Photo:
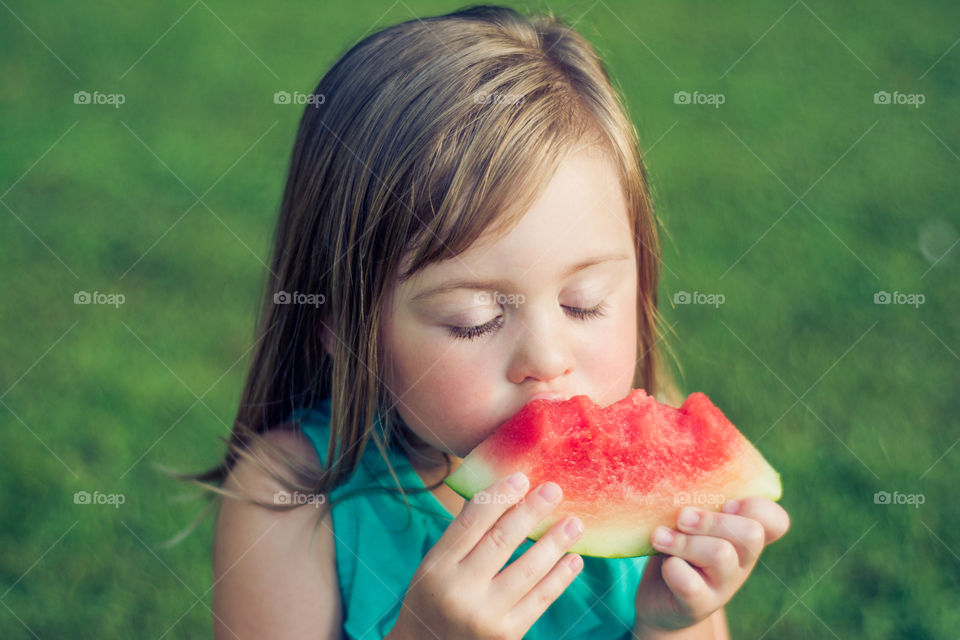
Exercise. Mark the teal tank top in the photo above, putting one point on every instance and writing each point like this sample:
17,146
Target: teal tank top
380,542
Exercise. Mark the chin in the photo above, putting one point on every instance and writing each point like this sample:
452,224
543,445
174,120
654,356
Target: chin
462,450
457,449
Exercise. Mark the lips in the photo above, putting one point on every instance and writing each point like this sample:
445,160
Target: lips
549,395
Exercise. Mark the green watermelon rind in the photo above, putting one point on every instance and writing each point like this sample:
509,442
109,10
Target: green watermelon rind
642,550
468,480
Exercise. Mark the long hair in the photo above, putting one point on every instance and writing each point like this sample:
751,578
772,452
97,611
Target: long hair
428,134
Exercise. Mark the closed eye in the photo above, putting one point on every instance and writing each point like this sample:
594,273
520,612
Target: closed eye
472,333
585,314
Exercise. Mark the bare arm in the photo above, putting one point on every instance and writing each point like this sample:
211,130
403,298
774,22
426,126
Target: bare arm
269,582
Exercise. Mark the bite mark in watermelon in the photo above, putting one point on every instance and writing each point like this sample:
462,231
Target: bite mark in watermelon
624,469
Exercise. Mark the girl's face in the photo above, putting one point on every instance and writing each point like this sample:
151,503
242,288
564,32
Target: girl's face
549,307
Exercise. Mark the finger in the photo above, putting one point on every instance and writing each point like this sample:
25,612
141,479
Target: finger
535,603
771,515
687,585
498,544
477,516
717,557
746,534
520,576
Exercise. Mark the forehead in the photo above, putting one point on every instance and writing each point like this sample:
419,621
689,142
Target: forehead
581,214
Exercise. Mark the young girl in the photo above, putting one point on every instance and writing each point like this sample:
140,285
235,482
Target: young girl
466,226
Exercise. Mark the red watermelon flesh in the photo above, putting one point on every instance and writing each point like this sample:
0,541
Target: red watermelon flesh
624,469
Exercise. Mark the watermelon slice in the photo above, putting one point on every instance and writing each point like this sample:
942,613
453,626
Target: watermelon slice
624,469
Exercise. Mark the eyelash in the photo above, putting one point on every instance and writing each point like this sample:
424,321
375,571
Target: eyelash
472,333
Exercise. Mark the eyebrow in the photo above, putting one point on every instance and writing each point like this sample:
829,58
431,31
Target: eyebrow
502,284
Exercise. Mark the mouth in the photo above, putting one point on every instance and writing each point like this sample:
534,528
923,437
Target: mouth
543,395
549,395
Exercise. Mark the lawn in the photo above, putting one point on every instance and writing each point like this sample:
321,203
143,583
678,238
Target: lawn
789,188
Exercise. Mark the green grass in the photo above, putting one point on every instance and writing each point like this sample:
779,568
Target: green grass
877,385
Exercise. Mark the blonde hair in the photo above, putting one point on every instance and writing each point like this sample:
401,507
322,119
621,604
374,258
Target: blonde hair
430,133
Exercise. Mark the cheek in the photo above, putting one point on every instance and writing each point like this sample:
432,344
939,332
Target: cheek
609,360
445,390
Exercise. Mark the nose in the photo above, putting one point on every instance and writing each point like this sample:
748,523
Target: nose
542,351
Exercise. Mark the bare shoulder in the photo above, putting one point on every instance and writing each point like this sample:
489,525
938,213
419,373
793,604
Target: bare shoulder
274,575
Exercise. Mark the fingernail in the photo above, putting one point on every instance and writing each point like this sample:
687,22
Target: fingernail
518,481
731,506
688,517
550,491
573,528
663,537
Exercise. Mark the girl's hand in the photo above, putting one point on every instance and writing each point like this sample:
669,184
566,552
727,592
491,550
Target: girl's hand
707,560
459,589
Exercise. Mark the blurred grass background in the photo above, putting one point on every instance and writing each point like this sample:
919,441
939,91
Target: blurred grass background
798,199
